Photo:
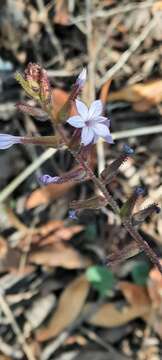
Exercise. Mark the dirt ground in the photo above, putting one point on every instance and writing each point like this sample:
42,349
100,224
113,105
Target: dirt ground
80,289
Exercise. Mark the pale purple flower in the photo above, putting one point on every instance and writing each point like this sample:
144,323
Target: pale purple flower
6,141
73,215
92,123
47,179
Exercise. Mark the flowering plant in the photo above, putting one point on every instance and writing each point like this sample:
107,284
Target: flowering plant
88,126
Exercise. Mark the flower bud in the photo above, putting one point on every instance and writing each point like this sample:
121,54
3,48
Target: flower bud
127,208
95,202
6,141
33,111
76,175
141,215
111,170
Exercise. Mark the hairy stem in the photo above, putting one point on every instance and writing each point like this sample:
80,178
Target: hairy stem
143,245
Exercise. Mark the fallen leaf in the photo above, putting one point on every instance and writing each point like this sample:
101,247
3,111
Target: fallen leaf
59,254
110,316
143,96
104,94
62,234
59,98
134,294
155,287
49,233
69,307
45,195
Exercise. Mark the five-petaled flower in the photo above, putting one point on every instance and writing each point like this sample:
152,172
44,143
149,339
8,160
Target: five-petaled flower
6,141
92,123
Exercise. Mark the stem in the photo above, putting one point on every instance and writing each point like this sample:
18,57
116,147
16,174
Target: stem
143,245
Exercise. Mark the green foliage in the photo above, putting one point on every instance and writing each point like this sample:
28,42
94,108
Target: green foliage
101,278
140,273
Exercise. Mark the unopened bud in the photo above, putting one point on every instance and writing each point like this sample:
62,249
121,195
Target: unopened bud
76,175
111,170
141,215
127,208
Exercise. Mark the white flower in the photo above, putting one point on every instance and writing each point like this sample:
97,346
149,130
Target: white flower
92,123
6,141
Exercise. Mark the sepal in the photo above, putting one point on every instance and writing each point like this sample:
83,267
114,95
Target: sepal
32,111
95,202
111,170
128,206
139,217
77,175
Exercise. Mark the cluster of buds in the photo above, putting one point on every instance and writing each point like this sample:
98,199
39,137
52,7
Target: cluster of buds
88,125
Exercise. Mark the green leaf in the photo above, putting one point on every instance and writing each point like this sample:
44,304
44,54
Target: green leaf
101,278
140,273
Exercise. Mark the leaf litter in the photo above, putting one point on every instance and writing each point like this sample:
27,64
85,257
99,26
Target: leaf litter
43,265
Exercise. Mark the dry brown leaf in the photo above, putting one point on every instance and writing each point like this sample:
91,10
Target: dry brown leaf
69,307
155,287
104,94
134,294
45,195
110,316
59,98
143,96
62,234
51,232
59,254
155,292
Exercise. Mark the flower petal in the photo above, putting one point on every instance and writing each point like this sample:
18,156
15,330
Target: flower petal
6,141
81,78
109,139
82,109
101,119
101,130
76,121
95,109
87,135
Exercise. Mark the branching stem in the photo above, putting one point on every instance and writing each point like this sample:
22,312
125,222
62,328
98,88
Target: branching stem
143,245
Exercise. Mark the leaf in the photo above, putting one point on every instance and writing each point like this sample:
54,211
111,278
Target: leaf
45,195
101,278
94,202
135,294
50,233
143,96
140,273
59,98
104,94
109,315
155,287
69,307
59,254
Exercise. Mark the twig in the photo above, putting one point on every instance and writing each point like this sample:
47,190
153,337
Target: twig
15,327
112,12
127,54
8,190
146,130
50,31
91,71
